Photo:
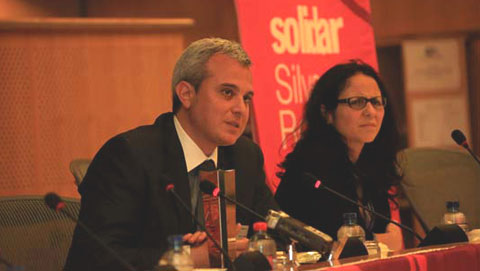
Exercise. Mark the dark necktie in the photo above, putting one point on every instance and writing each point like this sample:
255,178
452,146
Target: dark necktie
197,200
207,165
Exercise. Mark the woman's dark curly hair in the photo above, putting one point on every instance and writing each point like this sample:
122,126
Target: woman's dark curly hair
378,159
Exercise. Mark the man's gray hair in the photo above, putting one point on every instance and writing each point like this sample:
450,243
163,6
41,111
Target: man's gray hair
191,66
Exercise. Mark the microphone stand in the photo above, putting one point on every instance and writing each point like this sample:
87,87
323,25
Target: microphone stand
415,211
295,229
472,154
318,184
461,140
242,206
59,208
229,263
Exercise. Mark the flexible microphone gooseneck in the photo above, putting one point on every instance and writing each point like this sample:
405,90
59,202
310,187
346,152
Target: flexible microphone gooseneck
461,140
318,184
54,202
211,189
171,189
282,223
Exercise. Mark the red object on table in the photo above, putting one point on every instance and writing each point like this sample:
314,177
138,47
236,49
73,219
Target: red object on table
457,257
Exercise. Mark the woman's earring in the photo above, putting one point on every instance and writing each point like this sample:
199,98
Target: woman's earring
325,114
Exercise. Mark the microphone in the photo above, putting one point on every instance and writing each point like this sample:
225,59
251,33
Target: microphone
461,140
170,188
318,184
211,189
281,222
54,202
299,231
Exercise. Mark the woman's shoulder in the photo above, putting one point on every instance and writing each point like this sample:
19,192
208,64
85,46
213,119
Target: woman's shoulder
308,154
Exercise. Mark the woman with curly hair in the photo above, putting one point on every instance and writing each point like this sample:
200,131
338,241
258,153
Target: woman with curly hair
350,142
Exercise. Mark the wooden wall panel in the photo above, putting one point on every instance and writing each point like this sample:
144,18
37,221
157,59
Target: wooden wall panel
390,66
39,8
394,20
473,65
213,18
25,64
65,90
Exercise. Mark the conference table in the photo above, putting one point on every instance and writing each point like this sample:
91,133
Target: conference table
457,257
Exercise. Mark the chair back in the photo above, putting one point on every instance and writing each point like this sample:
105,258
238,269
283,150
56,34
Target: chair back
434,176
34,236
79,167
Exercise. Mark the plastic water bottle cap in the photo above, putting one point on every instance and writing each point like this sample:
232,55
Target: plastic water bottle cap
453,205
260,226
350,218
175,240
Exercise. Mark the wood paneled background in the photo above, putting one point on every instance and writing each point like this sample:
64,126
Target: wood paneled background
68,86
64,92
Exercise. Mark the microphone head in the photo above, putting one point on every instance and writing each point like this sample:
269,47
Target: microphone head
317,181
169,187
209,188
459,138
54,202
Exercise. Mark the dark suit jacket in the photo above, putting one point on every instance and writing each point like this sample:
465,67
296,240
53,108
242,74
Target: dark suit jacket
125,203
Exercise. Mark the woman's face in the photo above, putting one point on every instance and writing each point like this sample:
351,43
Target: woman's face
358,126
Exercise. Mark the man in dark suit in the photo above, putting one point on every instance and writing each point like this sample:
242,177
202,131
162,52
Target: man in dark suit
123,193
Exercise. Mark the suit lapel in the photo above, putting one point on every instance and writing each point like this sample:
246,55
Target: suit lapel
175,170
225,158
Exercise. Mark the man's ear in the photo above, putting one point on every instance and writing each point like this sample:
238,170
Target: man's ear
327,115
186,93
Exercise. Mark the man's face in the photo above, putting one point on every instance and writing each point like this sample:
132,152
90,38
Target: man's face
218,112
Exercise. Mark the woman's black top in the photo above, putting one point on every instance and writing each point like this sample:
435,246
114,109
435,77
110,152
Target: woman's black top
319,208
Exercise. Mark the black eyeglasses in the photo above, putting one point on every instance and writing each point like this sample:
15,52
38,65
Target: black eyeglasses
359,102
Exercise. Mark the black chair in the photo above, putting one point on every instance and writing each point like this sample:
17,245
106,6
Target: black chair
434,176
34,236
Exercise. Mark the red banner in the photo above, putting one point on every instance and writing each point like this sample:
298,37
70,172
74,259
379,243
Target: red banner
291,44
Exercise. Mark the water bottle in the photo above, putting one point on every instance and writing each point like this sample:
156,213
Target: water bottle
262,243
176,256
350,228
286,261
454,216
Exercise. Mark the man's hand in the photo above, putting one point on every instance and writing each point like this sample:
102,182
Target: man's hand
195,239
199,248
